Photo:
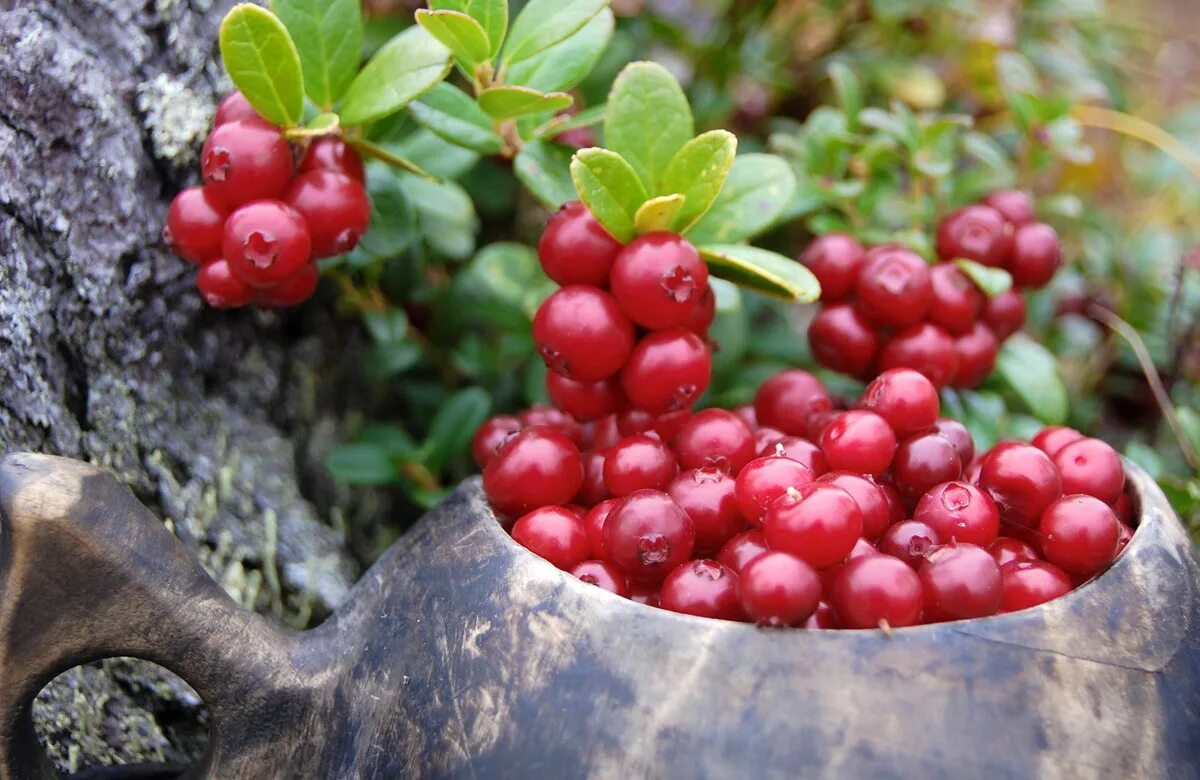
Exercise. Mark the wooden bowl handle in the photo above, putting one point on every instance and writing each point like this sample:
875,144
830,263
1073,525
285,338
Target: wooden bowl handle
87,572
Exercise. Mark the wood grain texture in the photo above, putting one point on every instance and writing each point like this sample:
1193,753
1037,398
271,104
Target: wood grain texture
460,654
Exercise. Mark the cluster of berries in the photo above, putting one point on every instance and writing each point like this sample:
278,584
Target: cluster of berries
792,512
885,307
626,332
259,222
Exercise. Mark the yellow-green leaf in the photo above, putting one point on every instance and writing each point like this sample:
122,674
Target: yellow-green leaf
698,170
506,102
543,23
453,115
263,62
648,120
459,33
567,62
544,167
756,192
762,270
492,16
405,68
658,213
610,188
328,36
1031,371
992,281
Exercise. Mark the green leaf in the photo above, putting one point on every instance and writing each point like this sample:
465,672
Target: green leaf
648,120
756,193
361,464
544,167
407,67
610,188
393,222
992,281
593,115
565,64
543,23
454,116
698,171
459,33
849,91
511,274
762,270
453,426
263,62
445,215
328,36
492,16
1031,371
505,102
658,213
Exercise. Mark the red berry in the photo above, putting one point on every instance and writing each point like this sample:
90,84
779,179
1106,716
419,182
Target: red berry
195,224
859,441
582,334
335,207
1080,534
1006,550
1036,255
960,581
958,435
708,497
842,339
1091,467
644,593
584,400
593,490
976,350
911,541
549,417
765,479
666,426
234,108
604,432
957,302
894,287
905,398
835,259
658,279
330,153
604,576
576,249
922,462
704,588
778,589
830,574
874,590
798,449
742,549
647,535
220,288
537,467
703,313
788,399
975,232
959,512
746,414
766,438
818,523
245,161
667,371
266,242
1053,438
1124,537
924,348
1123,508
1029,583
899,511
1004,314
293,291
555,533
870,498
1015,206
1022,481
639,462
593,523
823,618
714,437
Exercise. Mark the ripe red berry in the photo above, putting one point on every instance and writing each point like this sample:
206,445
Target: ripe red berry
1053,438
894,287
818,523
245,161
859,441
798,449
1036,255
644,593
708,497
1004,314
1091,467
830,574
717,438
195,225
1007,549
957,302
266,242
704,588
554,533
293,291
555,419
603,433
666,426
835,259
639,462
842,339
220,288
584,400
593,523
604,576
1022,481
959,512
925,348
330,153
911,541
1029,583
1124,537
234,107
923,461
778,589
593,490
647,535
959,436
704,313
335,207
1015,206
765,479
975,232
960,581
576,249
658,279
788,399
537,467
667,371
582,334
1123,508
823,618
905,398
874,590
870,498
746,414
742,549
1079,535
976,349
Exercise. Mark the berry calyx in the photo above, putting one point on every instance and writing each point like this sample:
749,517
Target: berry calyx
266,242
604,576
658,279
648,535
244,161
959,512
911,541
576,249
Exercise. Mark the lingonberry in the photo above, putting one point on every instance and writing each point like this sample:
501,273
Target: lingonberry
1036,255
958,435
584,400
1007,549
667,371
911,541
1124,537
582,334
220,287
877,590
742,549
746,414
704,313
905,398
778,589
593,523
644,593
266,242
1079,534
788,399
1053,438
1123,508
639,462
292,291
859,441
648,535
604,432
925,348
1091,467
233,108
765,439
708,497
593,490
555,533
578,510
798,449
976,350
604,576
842,339
960,581
195,225
330,153
894,287
818,422
822,618
976,232
1022,480
765,479
1004,314
923,461
1029,583
899,510
1015,206
835,259
658,279
704,588
555,419
244,161
959,512
537,467
870,498
576,249
818,523
335,207
957,302
665,426
717,438
830,574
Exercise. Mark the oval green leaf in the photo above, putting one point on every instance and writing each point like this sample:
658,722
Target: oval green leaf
610,188
658,213
263,62
698,171
1031,371
328,36
648,120
593,115
453,115
544,167
507,102
453,426
406,67
543,23
992,281
492,16
459,33
767,272
756,193
565,64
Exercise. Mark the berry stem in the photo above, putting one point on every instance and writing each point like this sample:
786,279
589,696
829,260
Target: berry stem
365,147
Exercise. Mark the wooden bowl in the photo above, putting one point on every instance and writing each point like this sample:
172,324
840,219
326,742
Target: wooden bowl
461,654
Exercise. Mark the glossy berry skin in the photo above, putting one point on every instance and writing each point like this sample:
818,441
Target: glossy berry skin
1004,314
1091,467
330,153
708,497
822,618
639,462
870,498
905,398
665,426
246,161
603,433
958,435
911,541
778,589
960,581
584,400
537,467
959,512
644,593
593,523
874,590
667,371
818,523
221,288
658,279
604,576
234,107
1053,438
976,350
266,242
714,438
703,313
859,441
894,288
1007,550
555,419
704,588
836,260
798,449
293,291
648,535
575,249
976,232
335,207
788,399
554,533
581,333
195,225
1022,481
923,461
1080,535
1036,255
1015,206
742,549
1124,537
593,490
957,302
842,339
1029,583
925,348
1123,508
763,480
